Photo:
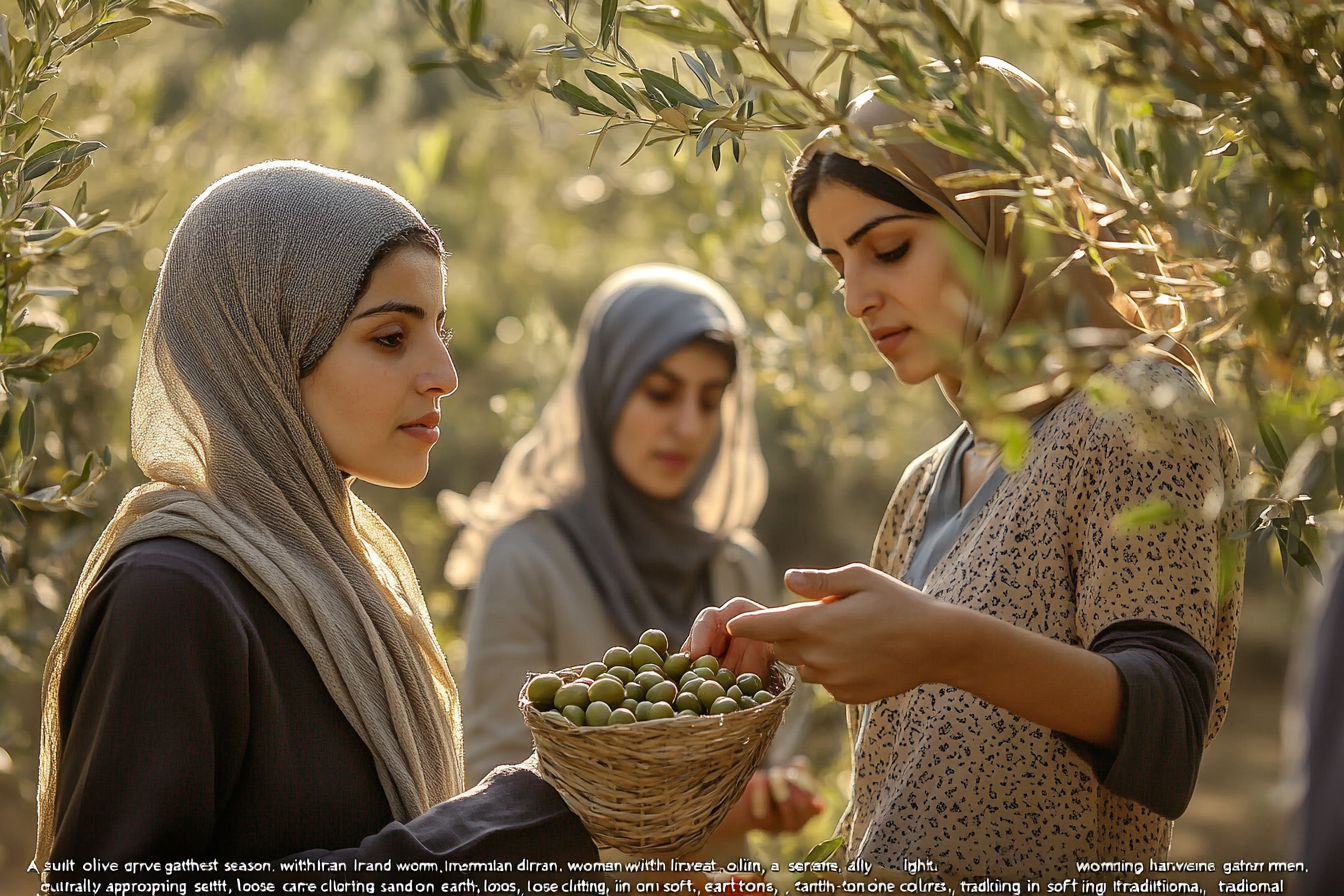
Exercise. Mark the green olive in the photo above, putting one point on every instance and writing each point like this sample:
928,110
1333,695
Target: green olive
624,673
574,714
762,696
746,702
597,715
749,682
616,656
686,701
642,711
647,680
664,691
621,716
542,689
704,672
708,661
655,638
662,710
709,692
573,694
723,705
593,670
677,665
643,653
692,686
682,713
726,678
634,690
629,704
649,667
735,692
606,690
688,677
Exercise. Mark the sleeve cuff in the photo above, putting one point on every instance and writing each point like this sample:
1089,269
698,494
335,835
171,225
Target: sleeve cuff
1166,691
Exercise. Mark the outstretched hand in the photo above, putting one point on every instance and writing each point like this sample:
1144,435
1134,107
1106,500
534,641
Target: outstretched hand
865,636
861,634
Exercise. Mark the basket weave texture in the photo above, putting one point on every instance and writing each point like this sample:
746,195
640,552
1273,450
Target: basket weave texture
656,788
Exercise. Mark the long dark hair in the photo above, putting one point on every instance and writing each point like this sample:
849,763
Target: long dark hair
820,167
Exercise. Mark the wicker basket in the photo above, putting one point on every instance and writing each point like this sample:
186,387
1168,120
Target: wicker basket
656,788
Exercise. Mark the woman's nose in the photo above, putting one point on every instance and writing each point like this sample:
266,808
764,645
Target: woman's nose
688,422
441,377
863,294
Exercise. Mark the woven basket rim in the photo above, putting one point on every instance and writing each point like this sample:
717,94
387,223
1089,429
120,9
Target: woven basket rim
660,815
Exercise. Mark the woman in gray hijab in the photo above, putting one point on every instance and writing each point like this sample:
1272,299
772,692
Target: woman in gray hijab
247,669
629,506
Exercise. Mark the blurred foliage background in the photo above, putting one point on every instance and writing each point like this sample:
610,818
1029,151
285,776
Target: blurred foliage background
535,219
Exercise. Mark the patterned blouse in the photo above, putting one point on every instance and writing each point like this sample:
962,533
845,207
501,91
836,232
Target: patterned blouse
942,776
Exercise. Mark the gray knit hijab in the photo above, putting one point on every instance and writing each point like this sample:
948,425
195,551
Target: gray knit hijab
648,558
257,283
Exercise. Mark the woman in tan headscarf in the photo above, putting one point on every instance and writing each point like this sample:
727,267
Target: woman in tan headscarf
247,669
1032,680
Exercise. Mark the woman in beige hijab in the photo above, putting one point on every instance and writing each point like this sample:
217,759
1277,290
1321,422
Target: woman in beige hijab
1032,680
247,669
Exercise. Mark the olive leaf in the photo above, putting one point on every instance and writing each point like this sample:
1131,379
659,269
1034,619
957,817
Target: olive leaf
578,98
1157,511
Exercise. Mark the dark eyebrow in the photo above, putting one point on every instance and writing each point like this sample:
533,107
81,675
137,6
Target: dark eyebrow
881,219
396,307
863,231
663,371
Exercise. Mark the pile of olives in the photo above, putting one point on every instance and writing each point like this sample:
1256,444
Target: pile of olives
646,683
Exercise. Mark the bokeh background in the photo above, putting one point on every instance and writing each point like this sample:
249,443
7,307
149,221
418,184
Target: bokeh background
535,220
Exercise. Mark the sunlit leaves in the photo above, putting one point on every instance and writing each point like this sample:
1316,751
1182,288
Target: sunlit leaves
611,88
576,97
1203,179
38,233
1153,513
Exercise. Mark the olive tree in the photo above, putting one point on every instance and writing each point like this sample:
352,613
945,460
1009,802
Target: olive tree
46,229
1191,149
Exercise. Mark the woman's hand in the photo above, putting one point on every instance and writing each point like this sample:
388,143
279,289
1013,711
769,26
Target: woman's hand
709,635
863,635
777,800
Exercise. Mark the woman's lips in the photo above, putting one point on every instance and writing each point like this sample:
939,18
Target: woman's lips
671,459
427,434
888,342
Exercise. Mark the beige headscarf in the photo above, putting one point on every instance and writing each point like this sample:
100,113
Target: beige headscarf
1041,290
257,282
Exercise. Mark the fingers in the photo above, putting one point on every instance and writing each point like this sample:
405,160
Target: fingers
706,629
708,632
749,656
788,791
758,798
775,624
791,652
817,584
